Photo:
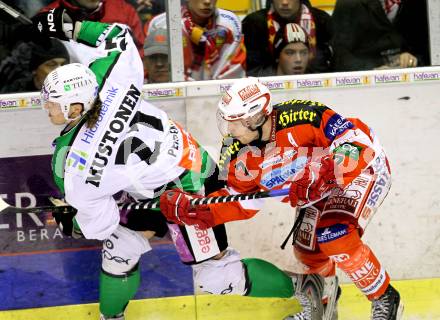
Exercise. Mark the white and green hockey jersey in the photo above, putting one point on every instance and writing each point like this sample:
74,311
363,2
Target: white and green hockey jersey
133,146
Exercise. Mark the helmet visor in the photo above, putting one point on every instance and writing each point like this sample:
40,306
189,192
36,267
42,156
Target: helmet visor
222,124
239,127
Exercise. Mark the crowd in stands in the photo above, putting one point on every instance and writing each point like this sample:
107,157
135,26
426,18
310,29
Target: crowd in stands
287,37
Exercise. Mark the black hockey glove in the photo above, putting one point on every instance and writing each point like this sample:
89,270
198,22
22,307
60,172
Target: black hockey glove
54,23
65,218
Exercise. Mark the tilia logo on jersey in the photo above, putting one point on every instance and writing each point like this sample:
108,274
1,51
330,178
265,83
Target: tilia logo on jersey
110,137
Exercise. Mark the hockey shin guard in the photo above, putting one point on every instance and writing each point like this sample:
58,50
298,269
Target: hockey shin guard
116,291
359,263
266,280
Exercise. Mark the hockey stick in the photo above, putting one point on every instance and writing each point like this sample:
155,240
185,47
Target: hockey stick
14,13
152,204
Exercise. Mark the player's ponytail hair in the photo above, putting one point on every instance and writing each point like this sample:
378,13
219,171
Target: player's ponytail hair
93,113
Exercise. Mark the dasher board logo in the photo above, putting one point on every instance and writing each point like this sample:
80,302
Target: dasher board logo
278,85
313,83
426,76
31,232
391,78
18,103
351,81
225,87
163,93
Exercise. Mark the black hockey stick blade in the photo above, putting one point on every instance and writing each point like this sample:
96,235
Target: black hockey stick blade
6,208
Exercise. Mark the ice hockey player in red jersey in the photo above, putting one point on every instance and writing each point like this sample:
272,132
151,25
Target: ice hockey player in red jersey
337,174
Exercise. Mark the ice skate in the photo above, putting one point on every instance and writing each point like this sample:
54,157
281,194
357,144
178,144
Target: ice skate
119,316
388,306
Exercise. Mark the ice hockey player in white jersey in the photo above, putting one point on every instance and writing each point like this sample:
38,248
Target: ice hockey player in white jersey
115,141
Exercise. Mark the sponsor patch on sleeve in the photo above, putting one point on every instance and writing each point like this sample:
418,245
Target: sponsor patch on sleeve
336,125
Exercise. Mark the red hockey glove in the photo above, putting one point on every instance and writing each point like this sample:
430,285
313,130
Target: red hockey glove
316,180
175,206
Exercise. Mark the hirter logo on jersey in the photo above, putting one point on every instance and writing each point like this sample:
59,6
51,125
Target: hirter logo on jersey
248,92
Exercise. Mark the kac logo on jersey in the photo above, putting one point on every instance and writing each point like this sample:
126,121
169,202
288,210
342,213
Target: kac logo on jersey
281,175
336,125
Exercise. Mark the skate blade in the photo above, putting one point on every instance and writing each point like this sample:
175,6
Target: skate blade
399,315
331,299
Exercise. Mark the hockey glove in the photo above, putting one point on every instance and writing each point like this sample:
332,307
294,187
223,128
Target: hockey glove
175,206
54,23
317,179
65,218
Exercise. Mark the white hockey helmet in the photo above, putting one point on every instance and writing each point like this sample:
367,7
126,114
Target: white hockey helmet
71,83
246,98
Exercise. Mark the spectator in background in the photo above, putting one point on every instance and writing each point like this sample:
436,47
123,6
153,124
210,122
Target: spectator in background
28,65
109,11
212,41
380,34
147,9
292,52
9,24
28,8
156,63
261,27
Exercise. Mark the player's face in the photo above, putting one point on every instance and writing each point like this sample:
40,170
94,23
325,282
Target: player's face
245,130
294,59
239,130
286,9
201,10
55,114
